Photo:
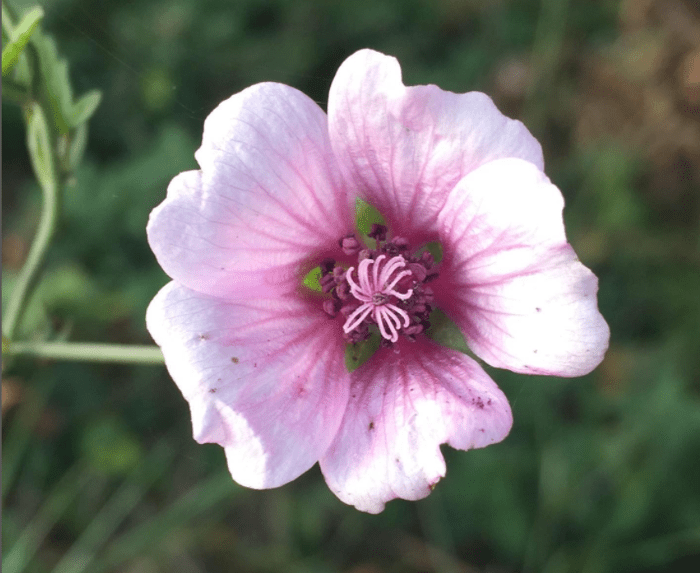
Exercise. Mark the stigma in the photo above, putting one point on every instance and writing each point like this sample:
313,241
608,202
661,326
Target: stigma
376,290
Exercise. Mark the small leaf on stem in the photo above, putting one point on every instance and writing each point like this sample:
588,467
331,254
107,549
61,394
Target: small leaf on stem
19,38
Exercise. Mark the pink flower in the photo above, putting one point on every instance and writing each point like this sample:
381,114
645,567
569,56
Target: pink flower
260,357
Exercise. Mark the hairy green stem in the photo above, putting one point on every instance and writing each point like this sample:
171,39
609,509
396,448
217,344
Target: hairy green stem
89,352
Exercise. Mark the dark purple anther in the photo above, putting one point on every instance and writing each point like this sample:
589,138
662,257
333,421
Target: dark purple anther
427,259
358,335
413,329
349,308
327,282
338,274
331,307
364,254
418,270
378,232
326,266
343,291
418,308
350,245
401,244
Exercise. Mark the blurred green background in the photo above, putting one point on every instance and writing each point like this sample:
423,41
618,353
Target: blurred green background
599,474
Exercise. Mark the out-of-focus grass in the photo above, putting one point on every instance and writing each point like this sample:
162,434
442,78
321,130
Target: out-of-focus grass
599,474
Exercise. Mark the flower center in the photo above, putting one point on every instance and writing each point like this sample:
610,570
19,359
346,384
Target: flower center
386,289
380,298
375,291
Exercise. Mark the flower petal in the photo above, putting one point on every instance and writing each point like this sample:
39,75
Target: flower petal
268,196
402,407
509,278
405,148
263,378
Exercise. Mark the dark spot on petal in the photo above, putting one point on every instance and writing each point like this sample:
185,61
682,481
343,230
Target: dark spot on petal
212,390
203,337
234,360
482,430
371,426
255,365
479,403
535,350
538,309
488,402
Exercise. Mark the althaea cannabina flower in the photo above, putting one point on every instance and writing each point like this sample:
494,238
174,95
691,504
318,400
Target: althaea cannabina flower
260,357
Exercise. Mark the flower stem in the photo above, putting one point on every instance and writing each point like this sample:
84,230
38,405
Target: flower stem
28,275
89,352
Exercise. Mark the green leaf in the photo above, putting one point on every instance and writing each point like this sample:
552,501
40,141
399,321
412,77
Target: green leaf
446,333
365,216
357,354
54,72
39,144
20,37
312,278
84,108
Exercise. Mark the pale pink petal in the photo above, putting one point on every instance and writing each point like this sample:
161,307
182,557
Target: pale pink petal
402,407
511,281
267,200
265,378
404,148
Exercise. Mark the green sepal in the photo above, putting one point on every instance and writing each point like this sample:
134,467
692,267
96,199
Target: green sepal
357,354
445,332
312,279
365,216
435,249
19,38
84,108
